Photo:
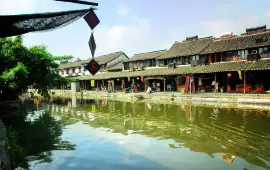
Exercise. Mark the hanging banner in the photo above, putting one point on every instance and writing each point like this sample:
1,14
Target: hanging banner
92,45
142,78
240,75
92,83
93,108
91,19
92,67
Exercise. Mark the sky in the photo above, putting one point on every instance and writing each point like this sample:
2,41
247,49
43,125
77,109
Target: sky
139,26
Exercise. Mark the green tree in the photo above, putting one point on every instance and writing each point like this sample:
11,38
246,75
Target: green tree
21,67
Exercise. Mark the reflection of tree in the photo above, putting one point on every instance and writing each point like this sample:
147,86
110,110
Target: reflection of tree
35,138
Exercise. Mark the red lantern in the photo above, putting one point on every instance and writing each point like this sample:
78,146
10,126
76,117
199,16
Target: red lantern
229,75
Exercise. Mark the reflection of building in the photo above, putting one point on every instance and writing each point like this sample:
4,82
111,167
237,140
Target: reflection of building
227,157
74,101
209,134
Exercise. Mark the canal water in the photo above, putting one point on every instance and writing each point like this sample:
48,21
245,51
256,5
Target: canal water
73,134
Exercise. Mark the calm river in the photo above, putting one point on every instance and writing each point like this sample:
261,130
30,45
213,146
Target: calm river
72,134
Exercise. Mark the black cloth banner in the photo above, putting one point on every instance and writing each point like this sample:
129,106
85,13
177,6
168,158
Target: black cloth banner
91,19
92,45
93,67
12,25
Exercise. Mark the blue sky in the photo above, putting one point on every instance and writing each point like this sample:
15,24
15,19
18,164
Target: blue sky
138,26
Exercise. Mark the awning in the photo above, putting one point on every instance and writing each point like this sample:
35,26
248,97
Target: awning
158,73
154,78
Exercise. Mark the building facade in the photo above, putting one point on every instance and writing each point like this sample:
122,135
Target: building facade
229,63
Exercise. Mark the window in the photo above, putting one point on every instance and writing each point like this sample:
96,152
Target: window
228,56
242,54
165,62
160,62
180,60
261,50
264,50
154,62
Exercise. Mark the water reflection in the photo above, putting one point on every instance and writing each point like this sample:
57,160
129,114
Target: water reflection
242,134
34,136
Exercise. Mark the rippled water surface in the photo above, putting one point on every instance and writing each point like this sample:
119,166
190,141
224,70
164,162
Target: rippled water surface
102,135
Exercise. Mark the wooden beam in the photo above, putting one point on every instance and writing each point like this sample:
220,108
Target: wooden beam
80,2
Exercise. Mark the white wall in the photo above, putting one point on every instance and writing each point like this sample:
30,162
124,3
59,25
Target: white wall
80,69
77,70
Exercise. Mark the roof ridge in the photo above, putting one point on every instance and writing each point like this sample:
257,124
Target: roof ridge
111,53
151,52
241,36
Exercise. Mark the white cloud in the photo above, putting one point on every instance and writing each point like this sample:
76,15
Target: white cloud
16,6
129,37
11,7
137,35
122,10
236,25
225,7
268,15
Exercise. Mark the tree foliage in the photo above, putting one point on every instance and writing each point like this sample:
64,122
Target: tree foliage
21,67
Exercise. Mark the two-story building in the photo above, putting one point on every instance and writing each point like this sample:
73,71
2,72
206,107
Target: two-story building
109,63
232,63
229,61
143,61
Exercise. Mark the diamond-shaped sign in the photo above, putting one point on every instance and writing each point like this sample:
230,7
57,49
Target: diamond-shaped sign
91,19
92,45
92,67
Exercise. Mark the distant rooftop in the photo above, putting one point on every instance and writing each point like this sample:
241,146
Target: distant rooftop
147,55
103,59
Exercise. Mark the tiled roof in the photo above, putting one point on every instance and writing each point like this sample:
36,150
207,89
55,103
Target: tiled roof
146,56
106,58
101,60
211,68
71,64
238,43
187,48
118,66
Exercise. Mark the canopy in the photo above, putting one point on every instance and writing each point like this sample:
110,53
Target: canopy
12,25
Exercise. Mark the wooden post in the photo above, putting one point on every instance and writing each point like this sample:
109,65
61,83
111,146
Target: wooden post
215,83
145,85
164,84
221,57
244,83
215,57
190,84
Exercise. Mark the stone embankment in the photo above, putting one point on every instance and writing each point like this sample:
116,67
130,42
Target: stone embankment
173,97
